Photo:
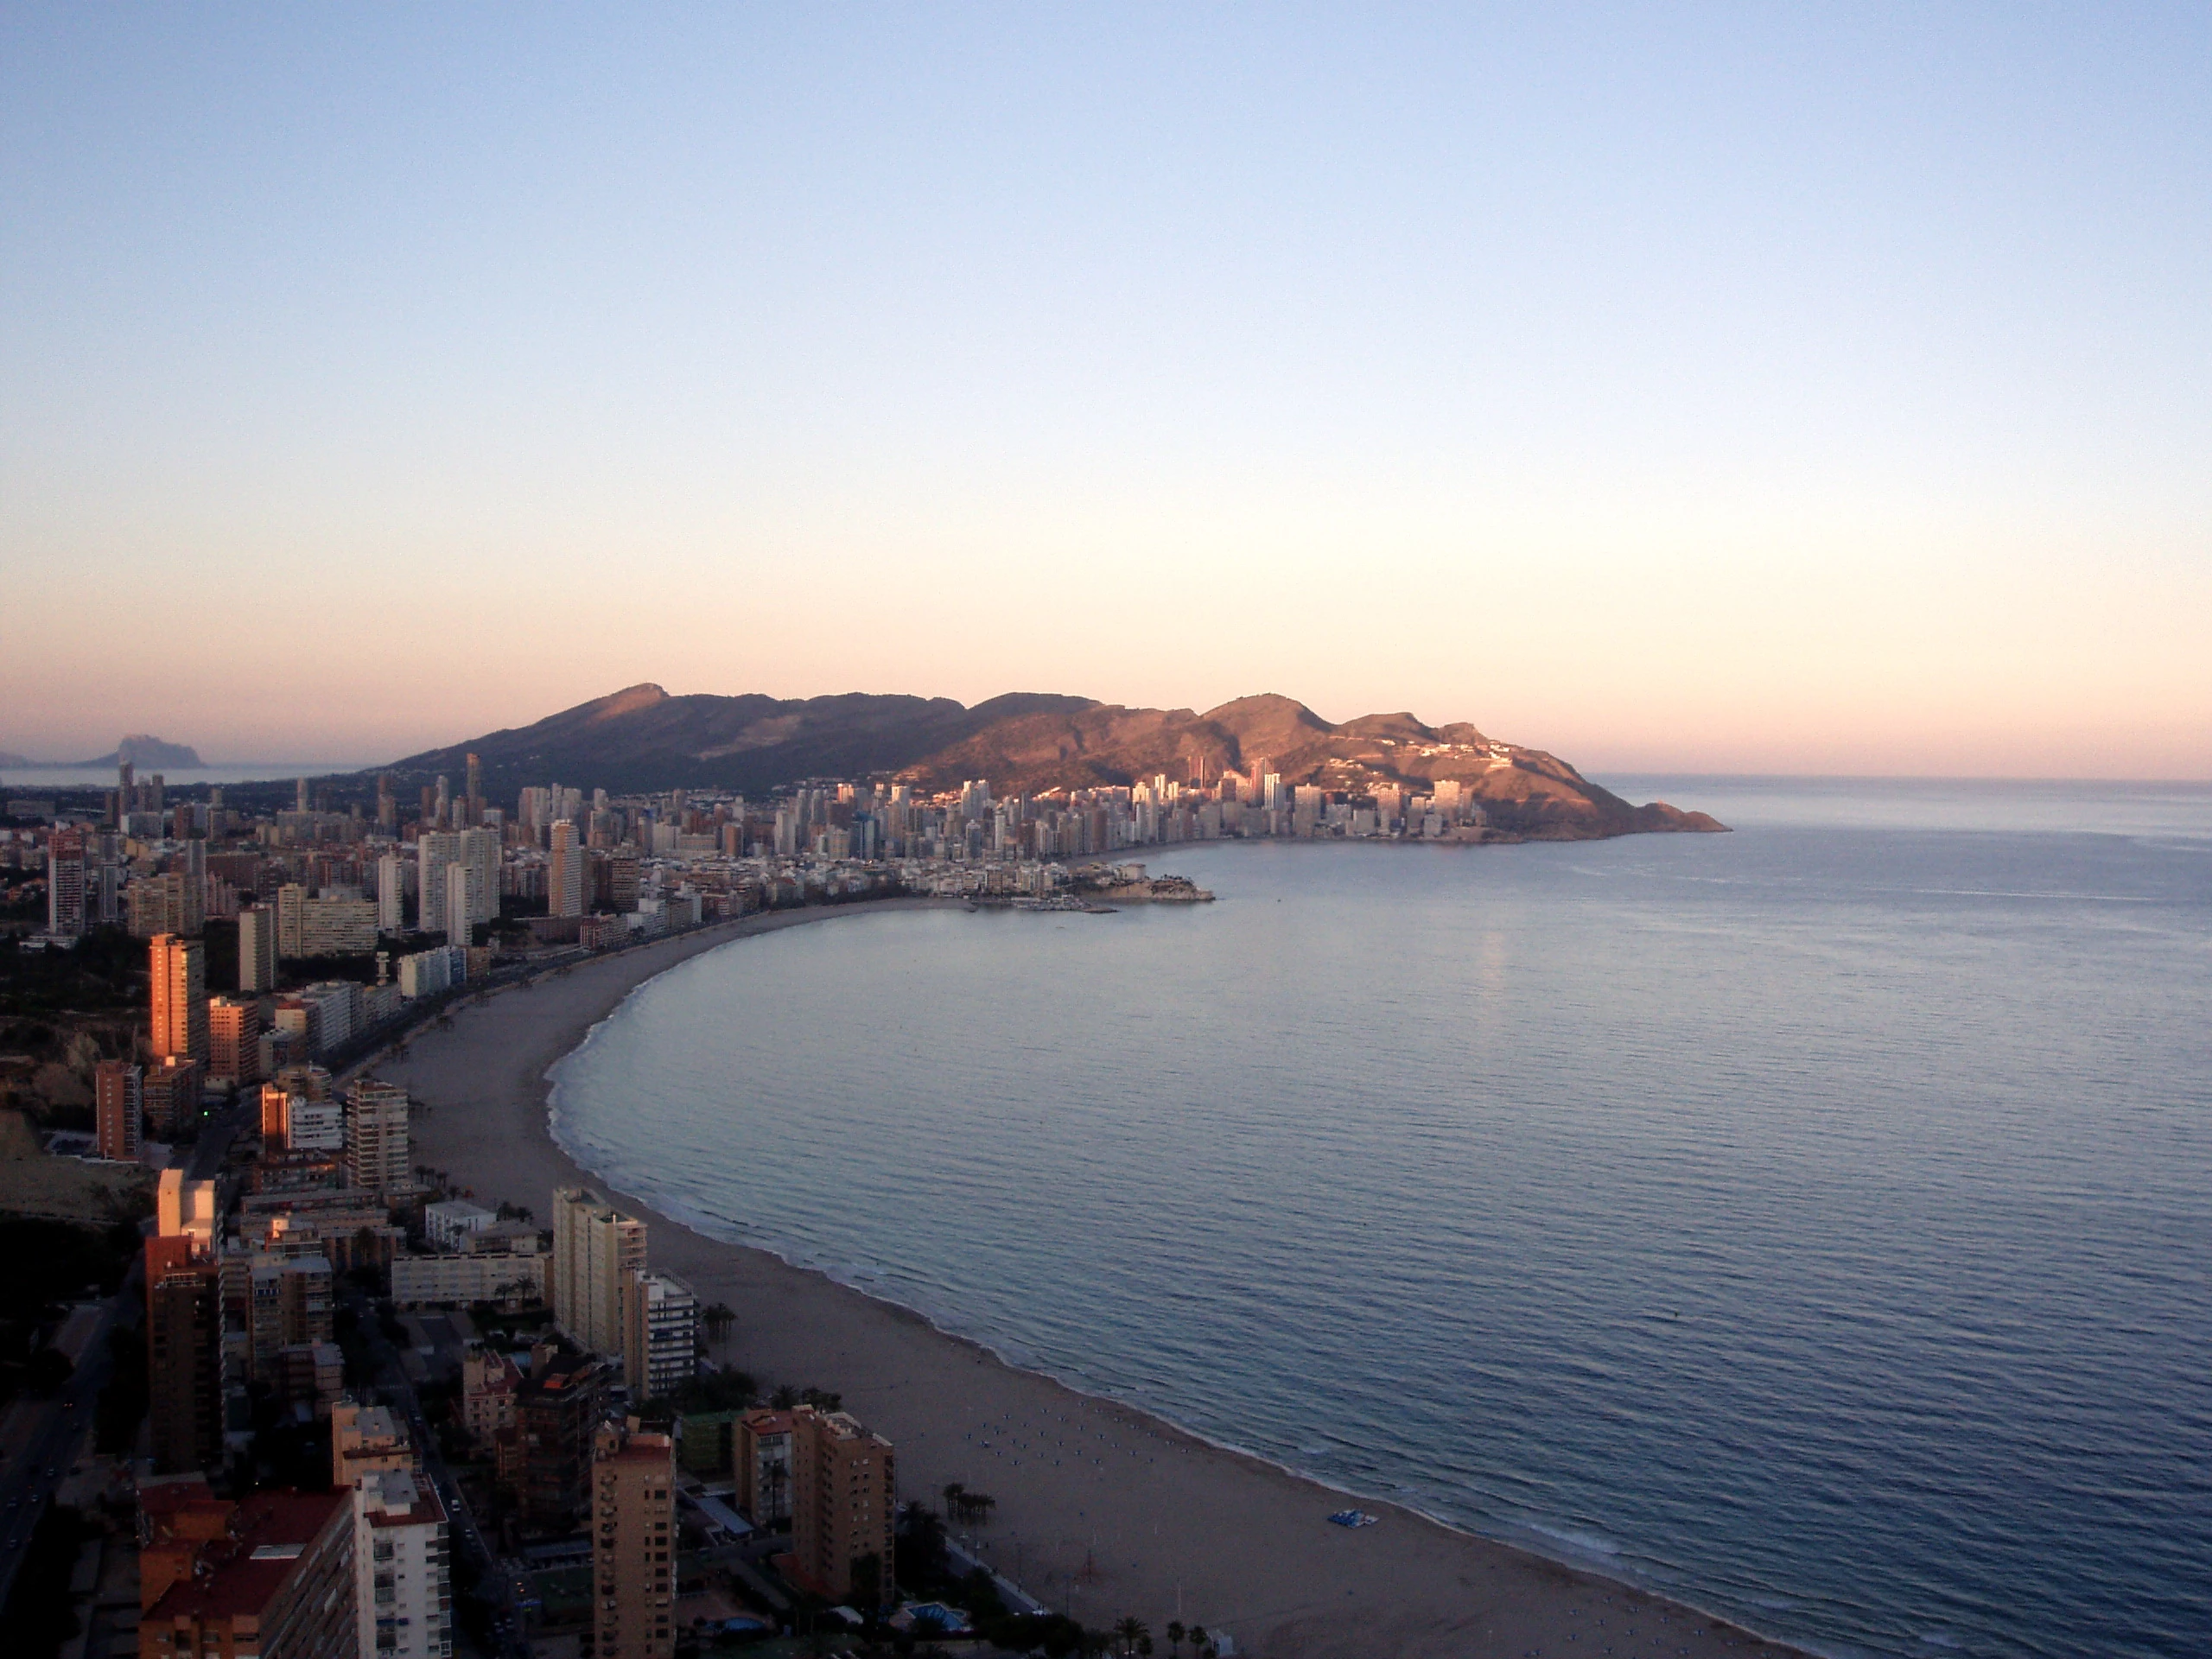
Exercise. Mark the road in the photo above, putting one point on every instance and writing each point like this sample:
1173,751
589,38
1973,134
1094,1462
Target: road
396,1391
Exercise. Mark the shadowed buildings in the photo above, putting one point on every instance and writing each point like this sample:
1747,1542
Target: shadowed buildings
633,1544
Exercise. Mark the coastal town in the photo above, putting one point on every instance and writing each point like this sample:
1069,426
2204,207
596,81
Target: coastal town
489,1430
324,1348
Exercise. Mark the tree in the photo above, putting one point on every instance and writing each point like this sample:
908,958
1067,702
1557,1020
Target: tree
867,1582
920,1544
1175,1636
719,1317
1130,1630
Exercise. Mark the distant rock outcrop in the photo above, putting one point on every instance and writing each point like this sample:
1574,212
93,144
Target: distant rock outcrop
643,739
140,750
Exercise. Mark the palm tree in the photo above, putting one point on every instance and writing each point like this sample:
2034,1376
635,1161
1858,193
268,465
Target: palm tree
1175,1636
1131,1629
719,1318
956,1501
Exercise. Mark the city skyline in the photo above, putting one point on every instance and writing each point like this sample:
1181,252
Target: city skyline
1811,391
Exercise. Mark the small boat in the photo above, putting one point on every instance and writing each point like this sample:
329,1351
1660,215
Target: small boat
1353,1518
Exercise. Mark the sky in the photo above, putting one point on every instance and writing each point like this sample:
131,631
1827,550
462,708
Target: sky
1761,388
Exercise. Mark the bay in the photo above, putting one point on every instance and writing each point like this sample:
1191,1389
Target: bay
1813,1221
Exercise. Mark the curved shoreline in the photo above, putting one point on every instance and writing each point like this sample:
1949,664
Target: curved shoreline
1154,1519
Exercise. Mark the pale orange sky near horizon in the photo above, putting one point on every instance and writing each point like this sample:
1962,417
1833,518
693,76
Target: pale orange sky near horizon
1811,391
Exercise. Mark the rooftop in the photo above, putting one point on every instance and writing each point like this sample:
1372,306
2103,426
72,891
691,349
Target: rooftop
239,1574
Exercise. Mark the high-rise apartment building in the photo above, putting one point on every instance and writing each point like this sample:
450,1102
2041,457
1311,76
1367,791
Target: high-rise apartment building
435,852
461,890
291,920
564,872
376,1135
65,884
180,998
402,1579
276,1583
763,1457
184,1327
391,893
480,851
595,1251
118,1109
309,1082
545,1460
660,1345
289,1305
234,1041
256,949
489,1384
171,1096
633,1544
844,1483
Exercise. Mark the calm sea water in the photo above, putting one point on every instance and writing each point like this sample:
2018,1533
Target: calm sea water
35,780
1815,1222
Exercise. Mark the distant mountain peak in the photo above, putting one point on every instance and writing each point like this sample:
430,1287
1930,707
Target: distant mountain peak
627,701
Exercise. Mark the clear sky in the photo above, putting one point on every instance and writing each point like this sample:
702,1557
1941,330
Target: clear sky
1764,388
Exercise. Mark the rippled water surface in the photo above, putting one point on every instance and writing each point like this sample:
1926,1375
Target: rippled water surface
1814,1221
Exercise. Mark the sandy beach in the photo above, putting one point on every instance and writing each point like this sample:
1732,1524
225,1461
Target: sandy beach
1101,1510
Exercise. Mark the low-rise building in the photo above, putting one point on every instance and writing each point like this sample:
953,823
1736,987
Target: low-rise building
365,1439
448,1221
509,1278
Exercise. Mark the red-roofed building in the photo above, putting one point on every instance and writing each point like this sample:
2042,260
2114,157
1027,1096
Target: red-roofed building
276,1582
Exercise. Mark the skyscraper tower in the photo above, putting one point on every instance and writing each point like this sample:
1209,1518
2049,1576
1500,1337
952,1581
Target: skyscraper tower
180,1031
65,884
475,791
633,1498
118,1106
596,1251
564,883
258,948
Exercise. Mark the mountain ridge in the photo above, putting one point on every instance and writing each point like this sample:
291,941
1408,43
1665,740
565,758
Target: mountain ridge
643,738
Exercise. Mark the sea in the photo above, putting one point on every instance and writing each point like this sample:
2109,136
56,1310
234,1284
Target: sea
42,780
1813,1222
